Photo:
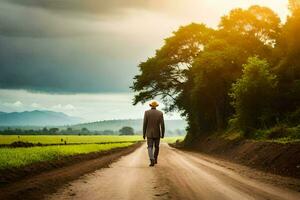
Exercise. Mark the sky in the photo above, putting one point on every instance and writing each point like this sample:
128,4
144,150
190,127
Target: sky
79,57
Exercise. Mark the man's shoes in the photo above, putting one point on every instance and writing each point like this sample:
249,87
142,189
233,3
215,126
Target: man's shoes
151,163
155,161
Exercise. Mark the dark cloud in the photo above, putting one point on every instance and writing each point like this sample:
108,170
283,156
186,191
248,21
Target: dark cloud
72,46
18,21
86,6
67,18
59,66
63,18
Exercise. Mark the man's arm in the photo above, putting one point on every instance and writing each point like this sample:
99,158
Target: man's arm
145,125
162,126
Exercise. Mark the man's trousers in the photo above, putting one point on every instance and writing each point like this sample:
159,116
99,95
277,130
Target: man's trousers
153,142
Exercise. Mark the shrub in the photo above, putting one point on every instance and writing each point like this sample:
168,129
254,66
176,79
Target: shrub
253,96
279,131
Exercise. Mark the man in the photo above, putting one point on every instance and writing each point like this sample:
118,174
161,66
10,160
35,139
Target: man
153,129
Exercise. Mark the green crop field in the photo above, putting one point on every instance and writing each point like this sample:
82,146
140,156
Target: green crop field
76,139
18,157
70,139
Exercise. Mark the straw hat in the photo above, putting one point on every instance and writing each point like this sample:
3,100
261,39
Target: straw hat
153,104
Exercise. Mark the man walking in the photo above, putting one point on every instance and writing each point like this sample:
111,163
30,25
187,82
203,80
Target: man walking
153,129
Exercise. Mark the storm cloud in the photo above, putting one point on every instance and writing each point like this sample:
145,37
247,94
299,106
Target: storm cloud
91,46
32,21
89,6
64,66
45,49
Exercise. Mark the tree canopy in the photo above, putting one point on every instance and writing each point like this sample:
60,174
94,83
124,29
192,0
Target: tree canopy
247,69
126,130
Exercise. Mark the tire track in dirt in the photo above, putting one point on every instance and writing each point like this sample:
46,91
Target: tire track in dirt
178,175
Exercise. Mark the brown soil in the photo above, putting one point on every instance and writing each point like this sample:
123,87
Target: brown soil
179,175
21,144
36,180
282,159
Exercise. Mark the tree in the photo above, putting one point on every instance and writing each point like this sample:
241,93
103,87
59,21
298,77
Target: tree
53,130
294,5
256,23
214,72
253,96
194,70
164,74
288,66
126,130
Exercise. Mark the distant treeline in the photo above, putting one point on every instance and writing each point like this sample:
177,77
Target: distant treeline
54,131
83,131
171,125
243,75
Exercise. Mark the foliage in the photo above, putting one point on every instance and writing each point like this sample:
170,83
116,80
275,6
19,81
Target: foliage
214,71
288,66
126,130
253,95
53,130
280,132
164,74
251,60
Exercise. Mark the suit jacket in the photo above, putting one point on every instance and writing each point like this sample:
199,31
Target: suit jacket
154,126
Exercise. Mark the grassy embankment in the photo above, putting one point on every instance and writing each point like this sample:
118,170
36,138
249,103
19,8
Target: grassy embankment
278,134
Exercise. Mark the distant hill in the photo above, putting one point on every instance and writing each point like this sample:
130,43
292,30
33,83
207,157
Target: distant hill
37,118
136,124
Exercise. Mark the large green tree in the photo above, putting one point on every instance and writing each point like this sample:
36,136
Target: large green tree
288,67
214,71
194,70
253,96
164,74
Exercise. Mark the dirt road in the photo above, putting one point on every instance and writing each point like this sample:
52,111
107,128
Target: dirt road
178,175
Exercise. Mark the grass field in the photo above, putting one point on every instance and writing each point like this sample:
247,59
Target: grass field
70,139
76,139
18,157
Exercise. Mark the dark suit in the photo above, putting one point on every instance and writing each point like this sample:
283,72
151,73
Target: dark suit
153,129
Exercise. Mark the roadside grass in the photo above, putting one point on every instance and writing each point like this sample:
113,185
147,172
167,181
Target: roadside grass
171,140
69,139
21,156
18,157
230,135
279,134
284,140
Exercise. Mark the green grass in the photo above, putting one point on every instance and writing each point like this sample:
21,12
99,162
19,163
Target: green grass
18,157
173,139
76,139
70,139
284,140
232,135
278,134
